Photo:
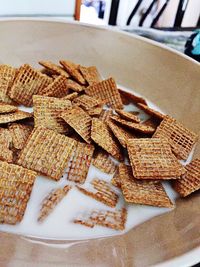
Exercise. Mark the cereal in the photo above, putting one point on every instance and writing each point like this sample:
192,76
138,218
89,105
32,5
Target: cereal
51,201
46,152
152,158
47,112
73,70
87,102
14,116
80,121
151,111
190,181
106,91
102,136
16,184
53,68
103,192
79,162
103,162
90,74
141,191
179,137
6,108
127,115
28,82
116,179
58,88
131,98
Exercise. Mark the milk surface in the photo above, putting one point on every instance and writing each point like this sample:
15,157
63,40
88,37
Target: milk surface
59,224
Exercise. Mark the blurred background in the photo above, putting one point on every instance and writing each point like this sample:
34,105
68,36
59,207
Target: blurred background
147,13
168,21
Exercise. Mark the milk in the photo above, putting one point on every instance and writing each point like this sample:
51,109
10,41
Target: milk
59,224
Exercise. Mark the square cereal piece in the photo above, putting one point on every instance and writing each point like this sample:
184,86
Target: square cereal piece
112,219
53,68
116,179
28,82
127,115
102,192
7,76
152,158
90,74
80,121
103,162
142,192
58,88
179,137
103,137
151,111
6,108
50,202
139,127
47,112
190,181
73,70
128,98
46,152
86,102
79,163
106,91
74,86
14,116
121,134
19,133
16,184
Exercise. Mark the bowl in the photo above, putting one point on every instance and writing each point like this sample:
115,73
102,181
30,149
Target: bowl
163,76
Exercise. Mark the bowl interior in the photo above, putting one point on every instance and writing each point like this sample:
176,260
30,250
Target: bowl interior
165,78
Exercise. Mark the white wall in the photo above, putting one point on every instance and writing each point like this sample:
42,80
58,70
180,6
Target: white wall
37,7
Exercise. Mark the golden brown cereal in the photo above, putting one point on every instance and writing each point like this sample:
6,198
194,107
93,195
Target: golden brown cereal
53,68
103,192
127,115
86,102
6,153
102,136
73,70
128,98
106,115
142,192
95,111
179,137
58,88
46,152
151,111
51,201
19,133
14,116
28,82
121,134
103,162
71,96
80,121
6,108
16,184
112,219
190,181
106,91
47,112
152,158
116,179
74,86
153,122
90,74
7,76
79,162
139,127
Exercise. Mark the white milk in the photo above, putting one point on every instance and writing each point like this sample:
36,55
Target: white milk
59,224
